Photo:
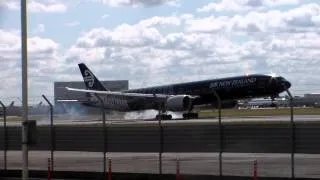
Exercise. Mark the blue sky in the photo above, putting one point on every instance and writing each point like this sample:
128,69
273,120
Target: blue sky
166,42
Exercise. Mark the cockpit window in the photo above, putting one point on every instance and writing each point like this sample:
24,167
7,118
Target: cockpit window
280,78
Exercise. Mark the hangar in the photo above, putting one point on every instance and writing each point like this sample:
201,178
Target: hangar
310,99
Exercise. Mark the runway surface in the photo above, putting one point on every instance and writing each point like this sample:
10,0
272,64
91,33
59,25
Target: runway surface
97,120
234,164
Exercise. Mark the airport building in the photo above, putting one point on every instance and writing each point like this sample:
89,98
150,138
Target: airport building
60,92
307,100
310,99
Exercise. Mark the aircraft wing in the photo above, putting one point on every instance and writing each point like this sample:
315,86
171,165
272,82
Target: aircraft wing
71,100
117,93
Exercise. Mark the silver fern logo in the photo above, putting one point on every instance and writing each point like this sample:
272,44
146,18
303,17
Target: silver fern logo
88,78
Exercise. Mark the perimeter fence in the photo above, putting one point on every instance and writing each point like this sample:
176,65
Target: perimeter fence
270,149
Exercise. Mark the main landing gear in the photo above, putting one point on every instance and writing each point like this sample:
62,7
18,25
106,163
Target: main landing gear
185,116
163,117
190,115
273,102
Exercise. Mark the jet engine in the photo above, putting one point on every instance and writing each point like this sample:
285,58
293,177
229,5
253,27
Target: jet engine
179,103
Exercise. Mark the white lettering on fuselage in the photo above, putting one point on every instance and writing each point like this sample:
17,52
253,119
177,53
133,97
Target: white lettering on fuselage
232,83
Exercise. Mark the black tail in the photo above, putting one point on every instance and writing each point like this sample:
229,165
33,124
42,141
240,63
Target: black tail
90,79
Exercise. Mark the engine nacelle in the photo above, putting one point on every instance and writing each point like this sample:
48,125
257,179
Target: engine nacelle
179,103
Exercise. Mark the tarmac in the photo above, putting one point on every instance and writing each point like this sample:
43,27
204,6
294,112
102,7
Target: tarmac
78,120
233,164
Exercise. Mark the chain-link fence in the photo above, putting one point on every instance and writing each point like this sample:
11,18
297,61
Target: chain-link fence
195,147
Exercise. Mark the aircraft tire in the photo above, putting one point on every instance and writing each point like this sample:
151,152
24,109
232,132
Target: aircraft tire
196,115
163,117
190,116
185,116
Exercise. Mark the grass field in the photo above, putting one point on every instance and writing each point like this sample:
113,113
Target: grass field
260,112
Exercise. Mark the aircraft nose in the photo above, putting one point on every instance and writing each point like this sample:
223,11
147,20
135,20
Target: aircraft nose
281,83
286,84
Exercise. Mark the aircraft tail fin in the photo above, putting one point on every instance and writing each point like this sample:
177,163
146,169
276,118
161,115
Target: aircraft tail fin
90,80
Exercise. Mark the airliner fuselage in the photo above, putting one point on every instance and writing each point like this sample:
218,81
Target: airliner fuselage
182,96
229,90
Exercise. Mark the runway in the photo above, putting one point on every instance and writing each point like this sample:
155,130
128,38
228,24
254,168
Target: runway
87,120
234,164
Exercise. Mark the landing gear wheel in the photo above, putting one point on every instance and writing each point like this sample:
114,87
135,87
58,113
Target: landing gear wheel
273,105
164,117
190,116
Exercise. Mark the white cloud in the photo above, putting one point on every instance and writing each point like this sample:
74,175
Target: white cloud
156,20
244,5
207,24
291,55
105,16
36,6
203,50
281,2
42,59
186,16
72,23
176,48
137,3
123,35
304,18
141,51
39,29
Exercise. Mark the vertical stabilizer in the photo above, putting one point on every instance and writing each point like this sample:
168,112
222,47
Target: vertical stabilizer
90,80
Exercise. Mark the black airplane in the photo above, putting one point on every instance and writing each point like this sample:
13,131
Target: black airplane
183,96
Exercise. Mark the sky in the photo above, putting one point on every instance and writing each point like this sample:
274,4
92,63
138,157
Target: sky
156,42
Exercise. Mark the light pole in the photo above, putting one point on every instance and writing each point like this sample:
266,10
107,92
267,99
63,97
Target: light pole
24,62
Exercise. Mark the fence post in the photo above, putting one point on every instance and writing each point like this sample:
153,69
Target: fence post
51,132
293,136
178,169
49,169
110,170
5,134
104,133
160,137
255,170
220,133
161,146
